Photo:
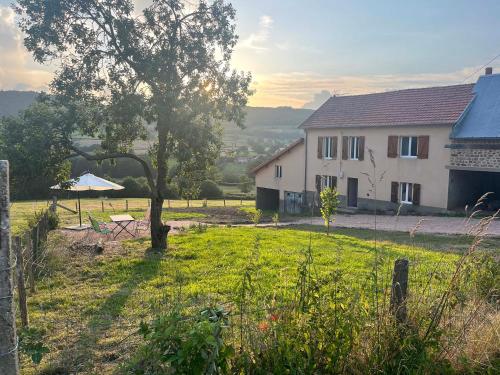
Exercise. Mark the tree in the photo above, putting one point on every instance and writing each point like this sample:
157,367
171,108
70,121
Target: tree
37,152
168,66
329,203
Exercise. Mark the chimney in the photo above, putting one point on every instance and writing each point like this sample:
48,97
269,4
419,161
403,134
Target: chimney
488,71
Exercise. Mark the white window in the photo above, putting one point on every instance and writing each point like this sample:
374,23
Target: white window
353,148
327,182
278,171
408,147
406,192
328,147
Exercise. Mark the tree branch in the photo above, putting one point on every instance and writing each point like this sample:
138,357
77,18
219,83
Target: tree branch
116,155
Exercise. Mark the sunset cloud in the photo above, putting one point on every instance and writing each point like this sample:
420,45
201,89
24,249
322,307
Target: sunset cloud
299,88
257,41
17,69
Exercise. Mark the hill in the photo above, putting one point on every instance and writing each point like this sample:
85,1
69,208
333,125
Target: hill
11,102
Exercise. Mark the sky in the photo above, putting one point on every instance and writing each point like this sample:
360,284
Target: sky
300,52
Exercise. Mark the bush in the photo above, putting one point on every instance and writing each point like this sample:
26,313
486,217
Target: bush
176,345
210,190
53,220
135,187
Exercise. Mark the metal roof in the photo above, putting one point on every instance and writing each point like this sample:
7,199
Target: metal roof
482,118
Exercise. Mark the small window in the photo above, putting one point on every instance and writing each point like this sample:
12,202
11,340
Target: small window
278,171
353,148
327,182
328,147
408,147
406,192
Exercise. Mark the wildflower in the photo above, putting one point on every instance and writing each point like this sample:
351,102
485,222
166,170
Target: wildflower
263,326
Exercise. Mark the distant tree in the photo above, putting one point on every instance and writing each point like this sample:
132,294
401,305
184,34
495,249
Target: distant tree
37,152
329,203
210,190
245,184
118,69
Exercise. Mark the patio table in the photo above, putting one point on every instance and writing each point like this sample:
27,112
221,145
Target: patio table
122,222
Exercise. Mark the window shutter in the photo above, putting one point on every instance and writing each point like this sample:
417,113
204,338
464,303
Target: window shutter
394,192
320,147
318,183
392,146
416,194
334,182
361,148
423,147
334,147
345,147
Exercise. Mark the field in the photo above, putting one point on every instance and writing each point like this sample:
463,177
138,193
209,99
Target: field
21,212
89,306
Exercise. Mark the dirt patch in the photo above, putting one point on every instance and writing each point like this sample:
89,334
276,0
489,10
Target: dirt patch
218,215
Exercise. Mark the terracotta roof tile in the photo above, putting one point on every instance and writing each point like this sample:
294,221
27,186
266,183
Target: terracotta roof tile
425,106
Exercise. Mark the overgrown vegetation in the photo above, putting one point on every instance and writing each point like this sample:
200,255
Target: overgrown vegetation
255,300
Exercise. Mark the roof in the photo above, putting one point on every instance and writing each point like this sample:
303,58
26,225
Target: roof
278,155
424,106
482,119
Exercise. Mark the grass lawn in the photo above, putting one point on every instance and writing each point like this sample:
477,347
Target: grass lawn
90,305
22,211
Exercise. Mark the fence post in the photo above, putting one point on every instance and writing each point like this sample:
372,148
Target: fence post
224,202
126,205
399,291
21,288
30,263
102,206
187,202
9,364
241,202
53,206
169,203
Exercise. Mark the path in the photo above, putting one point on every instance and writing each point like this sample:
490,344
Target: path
424,224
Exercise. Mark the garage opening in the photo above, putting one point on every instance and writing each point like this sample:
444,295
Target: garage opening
466,187
268,199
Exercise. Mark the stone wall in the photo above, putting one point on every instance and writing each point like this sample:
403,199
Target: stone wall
475,155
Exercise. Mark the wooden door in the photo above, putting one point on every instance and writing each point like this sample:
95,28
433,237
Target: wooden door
352,192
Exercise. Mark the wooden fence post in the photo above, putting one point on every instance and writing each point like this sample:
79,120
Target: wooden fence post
9,363
53,206
126,205
399,291
169,203
102,206
30,263
224,202
21,288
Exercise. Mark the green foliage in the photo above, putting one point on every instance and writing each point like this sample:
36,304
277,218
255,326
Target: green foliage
256,216
183,345
276,219
329,203
35,143
31,343
210,190
135,187
246,184
53,219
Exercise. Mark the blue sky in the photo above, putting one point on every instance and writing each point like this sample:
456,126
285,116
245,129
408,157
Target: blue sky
298,49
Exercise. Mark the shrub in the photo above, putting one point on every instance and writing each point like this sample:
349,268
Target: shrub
135,187
53,219
183,345
329,203
210,190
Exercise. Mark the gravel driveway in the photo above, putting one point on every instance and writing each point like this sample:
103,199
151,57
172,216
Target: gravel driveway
424,224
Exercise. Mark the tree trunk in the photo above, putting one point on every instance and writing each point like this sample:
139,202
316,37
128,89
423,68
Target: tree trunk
159,231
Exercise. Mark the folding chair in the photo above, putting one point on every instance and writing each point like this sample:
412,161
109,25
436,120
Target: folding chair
145,223
99,228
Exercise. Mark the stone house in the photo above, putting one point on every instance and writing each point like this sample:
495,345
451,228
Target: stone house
425,150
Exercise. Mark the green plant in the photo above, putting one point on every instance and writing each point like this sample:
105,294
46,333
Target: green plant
31,344
53,219
276,219
183,344
329,203
257,216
